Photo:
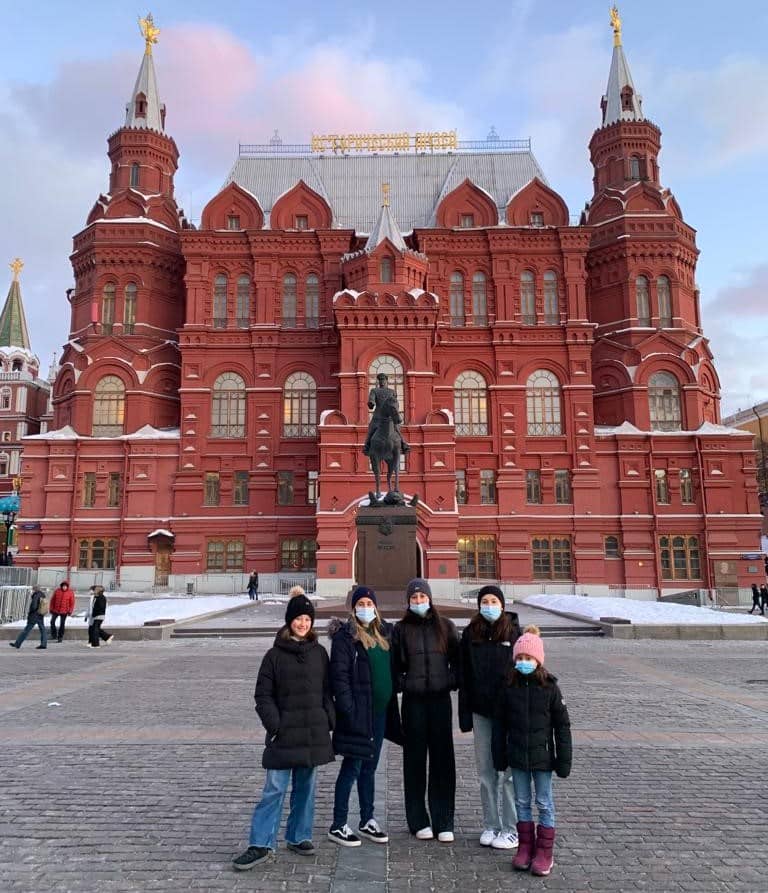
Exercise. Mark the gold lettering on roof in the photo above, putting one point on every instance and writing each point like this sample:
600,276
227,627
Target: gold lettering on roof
342,144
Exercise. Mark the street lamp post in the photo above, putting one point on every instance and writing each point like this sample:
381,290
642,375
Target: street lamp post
9,517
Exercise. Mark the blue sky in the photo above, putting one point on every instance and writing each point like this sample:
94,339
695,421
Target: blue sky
232,72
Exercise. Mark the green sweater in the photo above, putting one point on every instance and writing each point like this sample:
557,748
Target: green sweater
381,678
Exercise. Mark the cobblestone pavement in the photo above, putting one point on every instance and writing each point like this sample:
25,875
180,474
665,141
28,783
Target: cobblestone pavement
145,776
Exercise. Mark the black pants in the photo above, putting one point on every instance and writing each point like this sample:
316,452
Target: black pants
62,623
755,603
95,632
428,731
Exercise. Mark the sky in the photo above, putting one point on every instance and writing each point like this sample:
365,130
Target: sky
232,72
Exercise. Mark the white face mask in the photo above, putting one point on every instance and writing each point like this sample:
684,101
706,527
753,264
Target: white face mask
420,608
365,615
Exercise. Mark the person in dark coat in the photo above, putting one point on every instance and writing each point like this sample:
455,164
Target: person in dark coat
62,606
35,618
532,737
426,657
253,586
293,700
763,598
366,711
97,612
756,595
486,651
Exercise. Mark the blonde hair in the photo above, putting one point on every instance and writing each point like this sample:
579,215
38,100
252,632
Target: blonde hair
296,590
532,628
371,636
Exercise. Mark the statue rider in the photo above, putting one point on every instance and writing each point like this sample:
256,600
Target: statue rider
376,398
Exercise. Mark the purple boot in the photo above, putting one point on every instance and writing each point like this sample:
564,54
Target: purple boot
525,849
543,860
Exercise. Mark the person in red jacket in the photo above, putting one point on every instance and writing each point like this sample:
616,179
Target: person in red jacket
62,606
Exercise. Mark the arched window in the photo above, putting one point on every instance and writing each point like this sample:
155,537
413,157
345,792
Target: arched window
129,309
665,302
457,299
551,309
542,393
299,406
5,398
479,299
220,301
135,175
289,301
17,366
108,407
108,308
626,98
393,369
243,310
528,298
385,270
228,406
312,302
664,402
643,303
140,106
470,403
634,168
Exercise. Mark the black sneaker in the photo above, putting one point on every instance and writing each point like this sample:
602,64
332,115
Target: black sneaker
14,645
303,848
252,856
372,831
344,836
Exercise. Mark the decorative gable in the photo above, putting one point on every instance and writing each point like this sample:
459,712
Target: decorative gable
537,205
232,209
467,206
301,208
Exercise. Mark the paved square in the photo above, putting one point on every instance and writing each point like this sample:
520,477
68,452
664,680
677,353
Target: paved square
145,777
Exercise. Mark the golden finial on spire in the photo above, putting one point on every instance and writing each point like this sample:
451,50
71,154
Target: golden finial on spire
149,32
616,25
16,265
385,195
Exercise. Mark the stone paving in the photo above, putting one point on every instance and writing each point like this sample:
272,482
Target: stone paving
145,777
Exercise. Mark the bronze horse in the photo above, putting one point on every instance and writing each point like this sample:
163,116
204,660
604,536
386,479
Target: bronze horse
386,446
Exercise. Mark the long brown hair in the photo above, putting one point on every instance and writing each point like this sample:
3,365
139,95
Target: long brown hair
372,635
441,625
503,630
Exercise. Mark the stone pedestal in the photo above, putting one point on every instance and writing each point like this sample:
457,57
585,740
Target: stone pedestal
386,551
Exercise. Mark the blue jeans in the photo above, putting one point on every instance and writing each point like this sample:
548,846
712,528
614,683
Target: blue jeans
364,773
266,816
542,784
32,622
495,787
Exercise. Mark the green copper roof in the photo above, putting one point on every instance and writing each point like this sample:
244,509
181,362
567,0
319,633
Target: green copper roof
13,323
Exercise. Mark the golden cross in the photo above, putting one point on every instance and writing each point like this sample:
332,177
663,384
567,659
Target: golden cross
149,32
385,195
16,265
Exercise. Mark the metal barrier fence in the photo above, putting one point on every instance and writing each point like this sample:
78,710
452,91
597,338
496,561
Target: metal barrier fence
14,601
17,576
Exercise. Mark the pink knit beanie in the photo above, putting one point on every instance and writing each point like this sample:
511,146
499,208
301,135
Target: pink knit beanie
530,643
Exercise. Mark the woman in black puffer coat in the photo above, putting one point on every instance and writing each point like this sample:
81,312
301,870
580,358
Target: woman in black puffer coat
486,651
293,700
426,657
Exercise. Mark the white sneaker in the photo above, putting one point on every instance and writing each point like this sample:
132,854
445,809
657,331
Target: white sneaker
486,838
445,837
505,840
424,834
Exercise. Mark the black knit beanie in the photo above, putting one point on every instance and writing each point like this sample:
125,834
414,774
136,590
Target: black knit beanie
490,590
297,606
362,592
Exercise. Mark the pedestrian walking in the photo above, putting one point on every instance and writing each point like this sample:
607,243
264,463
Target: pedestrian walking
756,598
426,657
763,598
486,652
62,606
97,612
366,712
532,738
38,607
253,586
293,700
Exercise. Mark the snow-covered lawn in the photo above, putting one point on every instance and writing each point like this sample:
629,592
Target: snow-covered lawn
137,613
637,611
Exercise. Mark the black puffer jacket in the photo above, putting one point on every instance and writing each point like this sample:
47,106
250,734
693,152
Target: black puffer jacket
352,690
293,700
420,667
483,667
531,727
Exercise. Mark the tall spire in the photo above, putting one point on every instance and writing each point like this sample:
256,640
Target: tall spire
621,102
13,322
144,108
385,227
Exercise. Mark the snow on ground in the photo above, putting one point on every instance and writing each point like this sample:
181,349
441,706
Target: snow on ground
637,611
137,613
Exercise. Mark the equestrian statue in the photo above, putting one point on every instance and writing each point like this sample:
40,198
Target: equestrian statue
385,442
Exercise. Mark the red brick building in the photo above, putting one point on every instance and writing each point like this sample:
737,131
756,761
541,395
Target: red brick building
557,389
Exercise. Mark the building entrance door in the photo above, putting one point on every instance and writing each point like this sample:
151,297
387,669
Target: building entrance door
162,564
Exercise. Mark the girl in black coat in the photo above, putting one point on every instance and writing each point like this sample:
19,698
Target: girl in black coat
486,652
293,700
366,711
532,736
426,657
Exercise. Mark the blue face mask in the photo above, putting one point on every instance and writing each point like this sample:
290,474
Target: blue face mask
490,612
365,615
526,667
421,608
